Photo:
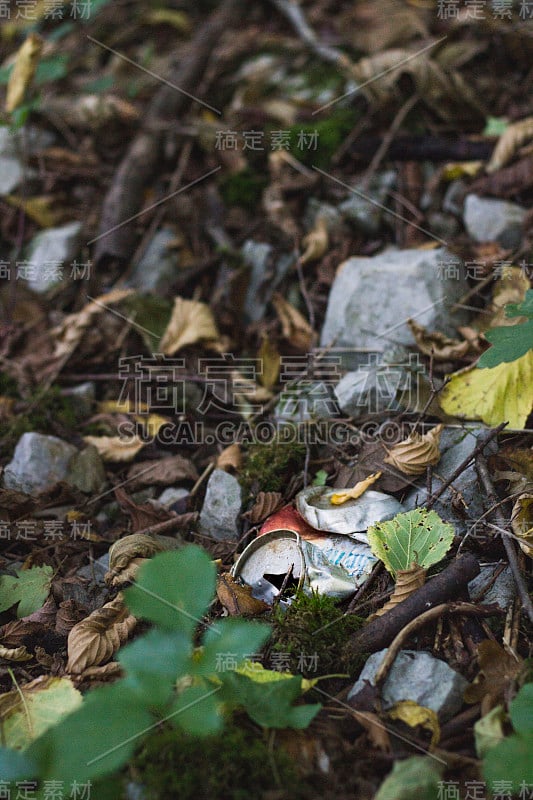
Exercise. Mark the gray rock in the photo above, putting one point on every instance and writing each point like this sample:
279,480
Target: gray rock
455,445
38,463
490,220
305,402
315,209
158,267
86,470
84,395
11,169
385,381
371,298
445,226
501,590
50,254
265,275
454,198
364,207
416,676
172,495
219,517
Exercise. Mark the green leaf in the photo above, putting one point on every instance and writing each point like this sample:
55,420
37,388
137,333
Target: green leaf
151,314
230,638
418,536
523,309
269,704
417,776
29,589
174,590
320,478
153,663
508,343
510,761
197,710
51,69
521,711
94,740
15,766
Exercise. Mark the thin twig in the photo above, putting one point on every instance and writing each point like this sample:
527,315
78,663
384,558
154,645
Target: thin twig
385,143
483,472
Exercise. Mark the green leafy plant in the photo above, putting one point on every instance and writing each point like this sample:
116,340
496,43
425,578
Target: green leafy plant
417,537
167,679
514,752
510,342
29,589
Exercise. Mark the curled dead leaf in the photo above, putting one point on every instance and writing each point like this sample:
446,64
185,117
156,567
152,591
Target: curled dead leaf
237,598
407,582
498,668
15,653
266,503
129,552
509,142
115,449
316,242
295,327
442,347
191,321
522,522
417,452
94,640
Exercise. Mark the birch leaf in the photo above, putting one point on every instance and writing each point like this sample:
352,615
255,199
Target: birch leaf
23,71
191,322
501,394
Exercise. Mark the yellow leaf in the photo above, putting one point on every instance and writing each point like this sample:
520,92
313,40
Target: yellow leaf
459,169
39,209
360,488
270,363
522,522
501,394
412,714
23,71
316,242
191,322
295,327
169,16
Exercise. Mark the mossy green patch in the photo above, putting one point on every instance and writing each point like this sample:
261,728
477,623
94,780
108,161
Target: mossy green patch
315,143
244,188
234,765
268,467
311,634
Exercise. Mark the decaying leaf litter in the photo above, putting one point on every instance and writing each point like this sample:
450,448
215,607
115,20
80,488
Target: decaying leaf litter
268,295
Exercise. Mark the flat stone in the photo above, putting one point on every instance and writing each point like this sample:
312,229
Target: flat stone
501,590
490,220
417,676
266,272
173,495
39,462
454,198
50,254
11,169
86,470
158,268
371,298
364,207
220,513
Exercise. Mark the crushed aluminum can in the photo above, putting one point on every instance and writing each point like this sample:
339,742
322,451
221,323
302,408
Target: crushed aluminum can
352,518
332,565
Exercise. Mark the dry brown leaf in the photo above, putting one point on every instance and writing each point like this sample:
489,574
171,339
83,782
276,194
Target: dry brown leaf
270,363
15,653
142,515
417,452
497,672
96,638
135,546
509,142
26,63
506,182
407,582
191,321
230,459
316,242
375,26
360,488
163,472
70,332
442,347
266,503
92,111
510,288
237,599
295,327
522,522
112,669
115,449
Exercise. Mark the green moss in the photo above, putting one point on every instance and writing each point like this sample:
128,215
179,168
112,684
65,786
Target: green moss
8,386
268,467
243,188
48,412
329,133
234,765
313,631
